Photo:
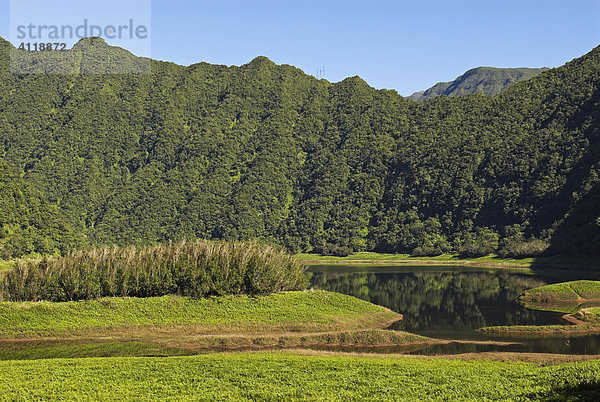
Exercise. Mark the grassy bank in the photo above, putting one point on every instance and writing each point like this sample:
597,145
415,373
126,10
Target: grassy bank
576,291
284,376
542,330
292,311
177,325
490,261
187,344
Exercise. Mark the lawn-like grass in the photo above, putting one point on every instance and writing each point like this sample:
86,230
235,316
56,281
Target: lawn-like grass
284,376
303,310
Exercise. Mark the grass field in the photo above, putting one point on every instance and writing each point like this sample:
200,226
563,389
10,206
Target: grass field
285,376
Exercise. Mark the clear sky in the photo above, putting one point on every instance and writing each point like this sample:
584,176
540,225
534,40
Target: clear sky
404,45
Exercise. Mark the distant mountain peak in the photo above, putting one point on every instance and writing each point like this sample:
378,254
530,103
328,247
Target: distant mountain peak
90,42
91,55
261,61
485,80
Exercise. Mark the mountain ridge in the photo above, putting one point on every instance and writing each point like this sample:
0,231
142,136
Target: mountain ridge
265,151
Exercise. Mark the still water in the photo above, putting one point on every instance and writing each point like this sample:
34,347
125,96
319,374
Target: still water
453,302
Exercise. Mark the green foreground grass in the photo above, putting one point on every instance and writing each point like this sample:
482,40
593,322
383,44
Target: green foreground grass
302,310
285,376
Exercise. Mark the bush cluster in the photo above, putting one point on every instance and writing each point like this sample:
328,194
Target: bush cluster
526,248
198,269
334,250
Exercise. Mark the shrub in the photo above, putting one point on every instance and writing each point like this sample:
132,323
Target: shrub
524,248
482,242
198,269
426,251
335,250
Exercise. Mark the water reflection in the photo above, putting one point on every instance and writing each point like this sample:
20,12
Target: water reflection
452,304
434,303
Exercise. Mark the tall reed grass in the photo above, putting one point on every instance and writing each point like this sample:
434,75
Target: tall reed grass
199,268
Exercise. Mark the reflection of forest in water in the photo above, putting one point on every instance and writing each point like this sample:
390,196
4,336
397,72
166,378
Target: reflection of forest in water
442,300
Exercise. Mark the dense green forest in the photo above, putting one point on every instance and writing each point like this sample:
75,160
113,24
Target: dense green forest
28,223
267,152
485,80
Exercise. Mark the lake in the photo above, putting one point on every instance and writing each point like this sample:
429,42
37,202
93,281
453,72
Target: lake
453,302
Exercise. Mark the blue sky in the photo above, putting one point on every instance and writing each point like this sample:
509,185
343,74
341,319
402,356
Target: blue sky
404,45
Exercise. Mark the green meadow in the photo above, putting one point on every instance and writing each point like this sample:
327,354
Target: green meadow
285,376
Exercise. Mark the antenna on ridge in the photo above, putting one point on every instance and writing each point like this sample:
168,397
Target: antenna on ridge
321,73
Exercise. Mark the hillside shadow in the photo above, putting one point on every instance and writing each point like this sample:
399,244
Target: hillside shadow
580,392
577,238
579,233
554,207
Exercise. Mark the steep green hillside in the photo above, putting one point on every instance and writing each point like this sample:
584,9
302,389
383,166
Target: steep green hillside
266,151
28,224
485,80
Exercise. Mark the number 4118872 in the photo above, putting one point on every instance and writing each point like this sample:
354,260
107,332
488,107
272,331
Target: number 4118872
41,47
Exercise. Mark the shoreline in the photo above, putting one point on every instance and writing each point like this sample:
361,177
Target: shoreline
558,262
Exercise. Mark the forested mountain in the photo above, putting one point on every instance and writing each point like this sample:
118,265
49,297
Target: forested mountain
30,224
266,151
485,80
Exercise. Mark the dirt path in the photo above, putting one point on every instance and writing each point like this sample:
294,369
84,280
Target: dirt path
574,320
